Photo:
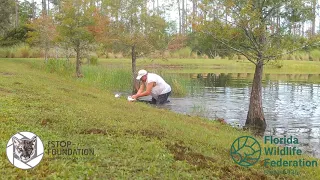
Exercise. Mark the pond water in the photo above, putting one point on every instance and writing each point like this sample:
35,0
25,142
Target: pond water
291,106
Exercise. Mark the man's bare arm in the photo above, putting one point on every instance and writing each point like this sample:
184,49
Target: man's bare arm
145,93
141,88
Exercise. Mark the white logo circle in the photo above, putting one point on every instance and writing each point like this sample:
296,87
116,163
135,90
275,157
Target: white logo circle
25,150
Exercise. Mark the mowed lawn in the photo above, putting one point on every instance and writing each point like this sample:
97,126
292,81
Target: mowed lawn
130,140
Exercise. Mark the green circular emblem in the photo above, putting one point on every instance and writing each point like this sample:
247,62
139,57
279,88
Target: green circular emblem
245,151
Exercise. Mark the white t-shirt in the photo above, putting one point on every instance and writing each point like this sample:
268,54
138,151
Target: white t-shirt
161,86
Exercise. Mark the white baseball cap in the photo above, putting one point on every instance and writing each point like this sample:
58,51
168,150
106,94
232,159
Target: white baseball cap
141,73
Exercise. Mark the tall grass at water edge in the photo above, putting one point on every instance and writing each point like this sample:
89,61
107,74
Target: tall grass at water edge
113,79
117,79
181,85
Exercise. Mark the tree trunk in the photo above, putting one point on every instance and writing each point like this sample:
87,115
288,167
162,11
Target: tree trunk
134,70
44,7
194,14
183,18
32,9
78,62
255,118
17,13
302,29
56,52
278,21
153,5
226,16
45,54
179,12
158,9
186,18
278,26
313,27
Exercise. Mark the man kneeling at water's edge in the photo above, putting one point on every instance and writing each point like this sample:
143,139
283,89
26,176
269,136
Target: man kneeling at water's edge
154,85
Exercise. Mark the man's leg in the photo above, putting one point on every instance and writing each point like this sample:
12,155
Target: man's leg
163,98
153,101
145,101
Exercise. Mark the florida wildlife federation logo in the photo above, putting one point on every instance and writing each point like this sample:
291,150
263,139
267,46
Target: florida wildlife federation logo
25,150
245,151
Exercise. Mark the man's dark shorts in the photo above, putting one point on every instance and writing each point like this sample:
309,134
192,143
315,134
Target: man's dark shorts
163,98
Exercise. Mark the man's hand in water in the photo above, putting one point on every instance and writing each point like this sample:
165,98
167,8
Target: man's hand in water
145,93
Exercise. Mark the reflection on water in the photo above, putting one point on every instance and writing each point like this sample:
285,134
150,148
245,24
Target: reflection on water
290,108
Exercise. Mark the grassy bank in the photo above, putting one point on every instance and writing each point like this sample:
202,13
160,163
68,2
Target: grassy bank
220,65
131,140
209,65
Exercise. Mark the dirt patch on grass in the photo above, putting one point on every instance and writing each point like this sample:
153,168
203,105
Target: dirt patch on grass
94,131
65,89
45,122
89,95
236,171
148,133
183,153
5,90
153,134
6,74
17,83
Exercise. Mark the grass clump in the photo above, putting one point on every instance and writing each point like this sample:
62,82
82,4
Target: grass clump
62,67
114,79
177,89
315,54
7,52
182,53
24,52
20,51
179,84
92,59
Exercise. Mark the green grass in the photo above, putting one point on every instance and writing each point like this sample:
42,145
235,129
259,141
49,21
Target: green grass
20,51
219,65
139,141
109,78
304,71
315,54
212,65
113,79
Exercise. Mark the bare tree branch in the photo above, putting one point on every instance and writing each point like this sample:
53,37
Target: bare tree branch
248,56
272,10
252,39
